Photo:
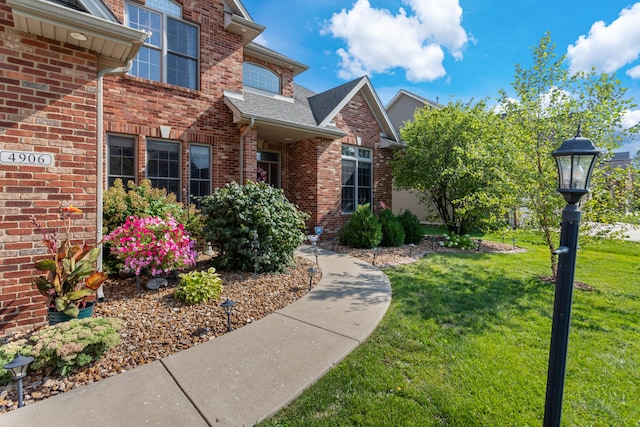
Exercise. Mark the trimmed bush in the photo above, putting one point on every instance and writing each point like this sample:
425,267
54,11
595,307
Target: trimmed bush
392,232
413,230
363,230
243,218
199,286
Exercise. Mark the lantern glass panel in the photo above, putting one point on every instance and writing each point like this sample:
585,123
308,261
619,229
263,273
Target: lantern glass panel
564,171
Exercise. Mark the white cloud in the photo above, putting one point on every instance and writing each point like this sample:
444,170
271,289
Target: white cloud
378,41
630,118
608,48
634,72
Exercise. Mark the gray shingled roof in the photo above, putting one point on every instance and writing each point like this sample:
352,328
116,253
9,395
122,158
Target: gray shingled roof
324,103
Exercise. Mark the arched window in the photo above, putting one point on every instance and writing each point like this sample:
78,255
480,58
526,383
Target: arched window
259,77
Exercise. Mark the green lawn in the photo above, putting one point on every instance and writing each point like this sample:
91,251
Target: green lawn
466,343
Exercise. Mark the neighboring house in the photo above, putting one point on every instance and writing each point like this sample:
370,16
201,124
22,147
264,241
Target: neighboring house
401,109
175,92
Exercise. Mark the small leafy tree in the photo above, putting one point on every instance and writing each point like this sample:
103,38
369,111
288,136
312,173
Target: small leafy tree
456,159
241,219
362,230
392,232
548,105
413,230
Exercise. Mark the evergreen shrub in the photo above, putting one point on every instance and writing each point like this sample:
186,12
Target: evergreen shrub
413,230
392,232
362,230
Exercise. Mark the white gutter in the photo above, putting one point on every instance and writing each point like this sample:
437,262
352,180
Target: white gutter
242,135
100,157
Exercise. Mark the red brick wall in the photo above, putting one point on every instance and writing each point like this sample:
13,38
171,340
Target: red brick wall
138,107
316,168
47,105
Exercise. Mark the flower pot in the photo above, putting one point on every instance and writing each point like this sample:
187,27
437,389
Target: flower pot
56,317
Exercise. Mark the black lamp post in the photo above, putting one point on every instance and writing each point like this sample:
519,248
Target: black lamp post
312,272
228,306
18,367
575,159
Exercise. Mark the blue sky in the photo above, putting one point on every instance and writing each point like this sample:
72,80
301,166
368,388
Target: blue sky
443,49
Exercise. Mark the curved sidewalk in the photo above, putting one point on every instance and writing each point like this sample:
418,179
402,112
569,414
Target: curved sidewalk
240,378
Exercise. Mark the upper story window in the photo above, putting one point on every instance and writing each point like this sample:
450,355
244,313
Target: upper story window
171,52
259,77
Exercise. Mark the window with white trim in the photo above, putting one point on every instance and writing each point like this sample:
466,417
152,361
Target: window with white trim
121,159
163,165
171,52
199,171
259,77
357,177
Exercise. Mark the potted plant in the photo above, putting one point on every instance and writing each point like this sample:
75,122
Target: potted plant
71,275
152,244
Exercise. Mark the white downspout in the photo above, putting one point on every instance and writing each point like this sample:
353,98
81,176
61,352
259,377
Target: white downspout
242,135
99,157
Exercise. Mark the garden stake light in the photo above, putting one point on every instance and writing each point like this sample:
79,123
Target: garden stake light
375,252
575,160
228,306
315,252
312,272
479,244
411,246
18,367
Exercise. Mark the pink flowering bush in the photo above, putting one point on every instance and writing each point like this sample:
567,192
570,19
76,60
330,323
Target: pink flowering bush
153,244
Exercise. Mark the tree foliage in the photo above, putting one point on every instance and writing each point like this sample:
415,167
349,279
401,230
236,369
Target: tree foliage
455,159
548,106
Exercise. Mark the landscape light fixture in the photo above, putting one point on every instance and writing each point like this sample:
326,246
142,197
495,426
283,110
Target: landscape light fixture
411,246
575,159
375,252
315,252
19,367
312,272
479,244
228,306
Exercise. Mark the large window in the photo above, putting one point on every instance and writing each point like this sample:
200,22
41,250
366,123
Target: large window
170,53
259,77
357,177
269,168
121,159
163,165
199,171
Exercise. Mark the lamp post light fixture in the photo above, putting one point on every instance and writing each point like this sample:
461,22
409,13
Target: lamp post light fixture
228,306
19,367
312,272
575,159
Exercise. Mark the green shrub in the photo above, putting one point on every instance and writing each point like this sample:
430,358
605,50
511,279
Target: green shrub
65,346
144,201
457,241
363,230
413,230
392,232
199,286
241,218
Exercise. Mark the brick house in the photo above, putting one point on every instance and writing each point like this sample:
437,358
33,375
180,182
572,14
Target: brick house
173,91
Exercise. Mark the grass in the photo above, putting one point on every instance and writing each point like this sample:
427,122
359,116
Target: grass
466,343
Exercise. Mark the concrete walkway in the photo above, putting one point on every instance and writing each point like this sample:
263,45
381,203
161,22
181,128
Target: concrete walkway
239,378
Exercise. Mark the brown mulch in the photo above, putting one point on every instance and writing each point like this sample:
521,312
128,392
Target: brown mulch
157,325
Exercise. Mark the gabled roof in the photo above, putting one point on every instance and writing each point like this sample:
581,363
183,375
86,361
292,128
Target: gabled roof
417,98
307,114
258,51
